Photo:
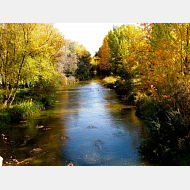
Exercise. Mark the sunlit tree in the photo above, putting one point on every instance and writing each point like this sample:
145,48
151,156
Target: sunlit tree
27,51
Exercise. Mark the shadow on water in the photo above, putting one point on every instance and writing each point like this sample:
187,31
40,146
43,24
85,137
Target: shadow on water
88,126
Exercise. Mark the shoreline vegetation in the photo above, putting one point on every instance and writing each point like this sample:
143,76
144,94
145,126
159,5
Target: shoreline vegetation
149,67
35,61
163,127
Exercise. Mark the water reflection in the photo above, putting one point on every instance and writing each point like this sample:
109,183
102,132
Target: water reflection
88,125
116,135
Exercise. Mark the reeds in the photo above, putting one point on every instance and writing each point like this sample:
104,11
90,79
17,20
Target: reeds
19,111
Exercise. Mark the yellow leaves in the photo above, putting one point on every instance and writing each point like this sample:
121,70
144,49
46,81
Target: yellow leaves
131,48
104,63
39,43
162,63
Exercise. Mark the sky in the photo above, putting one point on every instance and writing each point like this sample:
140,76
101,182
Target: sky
90,35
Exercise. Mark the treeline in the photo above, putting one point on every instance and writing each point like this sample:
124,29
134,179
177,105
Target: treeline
35,58
74,60
150,65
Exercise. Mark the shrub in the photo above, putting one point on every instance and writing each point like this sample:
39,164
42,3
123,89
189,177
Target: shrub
109,81
124,87
82,72
164,127
4,118
45,90
19,111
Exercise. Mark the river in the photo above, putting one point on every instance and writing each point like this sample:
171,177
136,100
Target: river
88,126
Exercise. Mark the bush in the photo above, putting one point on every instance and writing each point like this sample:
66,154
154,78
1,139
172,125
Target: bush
45,90
82,72
165,126
19,111
30,100
124,87
109,81
4,118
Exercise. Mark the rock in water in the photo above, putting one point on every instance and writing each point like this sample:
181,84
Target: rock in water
99,143
91,127
70,164
36,151
27,140
64,137
46,129
39,127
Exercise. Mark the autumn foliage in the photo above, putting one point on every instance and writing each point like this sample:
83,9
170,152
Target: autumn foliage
154,59
28,53
36,53
156,54
104,63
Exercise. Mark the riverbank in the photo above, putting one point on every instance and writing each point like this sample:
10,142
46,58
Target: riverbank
27,102
167,129
88,126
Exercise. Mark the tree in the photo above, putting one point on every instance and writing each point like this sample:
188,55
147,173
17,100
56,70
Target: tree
169,57
115,38
26,49
104,63
84,60
83,55
67,62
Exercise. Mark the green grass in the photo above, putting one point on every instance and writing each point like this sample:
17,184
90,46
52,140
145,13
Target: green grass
109,81
19,111
25,104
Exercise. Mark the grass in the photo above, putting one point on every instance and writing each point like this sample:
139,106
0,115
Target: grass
26,103
19,111
109,81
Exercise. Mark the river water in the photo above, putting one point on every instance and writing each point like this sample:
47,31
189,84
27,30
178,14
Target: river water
88,126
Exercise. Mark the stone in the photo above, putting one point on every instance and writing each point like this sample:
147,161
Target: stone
46,129
99,143
64,137
36,151
23,121
27,139
91,127
39,127
70,164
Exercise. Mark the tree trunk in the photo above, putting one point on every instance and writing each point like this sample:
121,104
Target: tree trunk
17,85
13,97
187,53
6,99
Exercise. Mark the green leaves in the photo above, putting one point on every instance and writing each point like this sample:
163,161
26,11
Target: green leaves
27,51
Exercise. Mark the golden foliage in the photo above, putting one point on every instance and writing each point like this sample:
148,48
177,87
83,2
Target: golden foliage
104,63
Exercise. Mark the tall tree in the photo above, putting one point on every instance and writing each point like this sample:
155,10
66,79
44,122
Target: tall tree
21,47
104,63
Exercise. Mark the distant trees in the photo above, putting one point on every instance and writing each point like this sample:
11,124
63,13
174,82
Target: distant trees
74,60
84,60
67,62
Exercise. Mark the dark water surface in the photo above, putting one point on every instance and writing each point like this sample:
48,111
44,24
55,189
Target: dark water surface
88,126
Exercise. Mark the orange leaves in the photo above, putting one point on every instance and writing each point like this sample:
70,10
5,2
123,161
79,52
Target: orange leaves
166,67
104,53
